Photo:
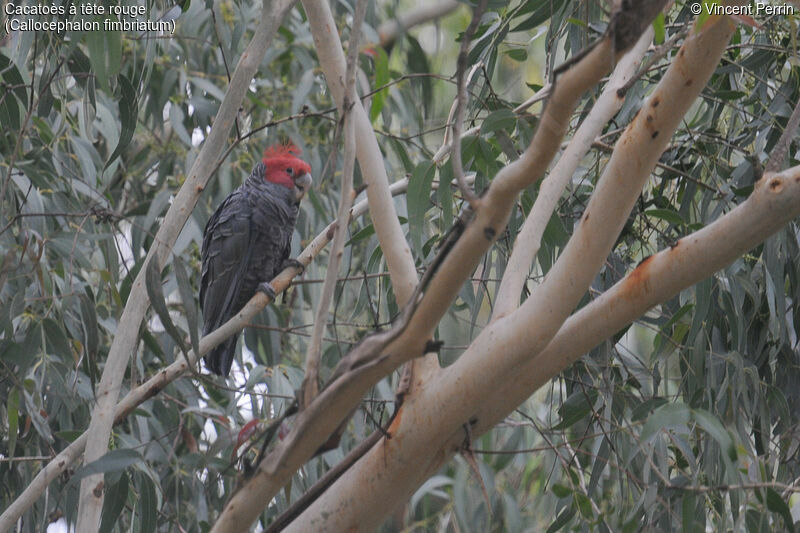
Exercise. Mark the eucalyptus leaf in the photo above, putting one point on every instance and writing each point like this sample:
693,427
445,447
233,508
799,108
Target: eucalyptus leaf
156,295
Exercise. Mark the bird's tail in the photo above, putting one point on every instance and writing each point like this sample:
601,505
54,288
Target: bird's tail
220,359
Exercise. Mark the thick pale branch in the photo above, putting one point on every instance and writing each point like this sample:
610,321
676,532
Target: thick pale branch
634,158
775,201
496,204
91,491
395,249
528,330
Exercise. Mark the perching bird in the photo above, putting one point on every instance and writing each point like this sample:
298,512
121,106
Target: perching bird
247,242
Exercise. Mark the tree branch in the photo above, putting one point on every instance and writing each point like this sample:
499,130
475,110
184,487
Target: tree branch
538,96
399,259
360,369
461,104
384,472
310,387
776,159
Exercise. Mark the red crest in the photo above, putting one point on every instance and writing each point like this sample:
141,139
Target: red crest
282,150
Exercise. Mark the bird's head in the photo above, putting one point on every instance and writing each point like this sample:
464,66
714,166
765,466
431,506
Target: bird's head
283,167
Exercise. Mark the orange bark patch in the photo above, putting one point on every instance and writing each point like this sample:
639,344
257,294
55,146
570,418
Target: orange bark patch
396,422
637,281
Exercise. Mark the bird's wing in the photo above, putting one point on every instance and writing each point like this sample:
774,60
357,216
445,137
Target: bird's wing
227,246
287,249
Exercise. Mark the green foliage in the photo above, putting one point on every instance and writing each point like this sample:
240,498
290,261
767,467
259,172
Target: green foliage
685,421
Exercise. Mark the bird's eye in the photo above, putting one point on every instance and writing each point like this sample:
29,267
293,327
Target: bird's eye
290,171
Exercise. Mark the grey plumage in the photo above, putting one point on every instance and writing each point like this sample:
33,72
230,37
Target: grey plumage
246,242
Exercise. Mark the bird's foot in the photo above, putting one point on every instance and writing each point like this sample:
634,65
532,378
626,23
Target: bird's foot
294,263
267,288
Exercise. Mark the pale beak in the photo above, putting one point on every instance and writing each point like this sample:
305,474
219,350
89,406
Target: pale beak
301,185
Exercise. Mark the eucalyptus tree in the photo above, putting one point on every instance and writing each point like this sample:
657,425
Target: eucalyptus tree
561,289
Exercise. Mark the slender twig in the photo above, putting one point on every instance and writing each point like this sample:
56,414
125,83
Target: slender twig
461,99
658,53
311,379
448,132
298,506
538,96
669,168
739,486
25,459
224,62
775,162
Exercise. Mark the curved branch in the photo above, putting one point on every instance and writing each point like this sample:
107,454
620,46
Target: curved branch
399,259
775,201
782,146
395,248
461,104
